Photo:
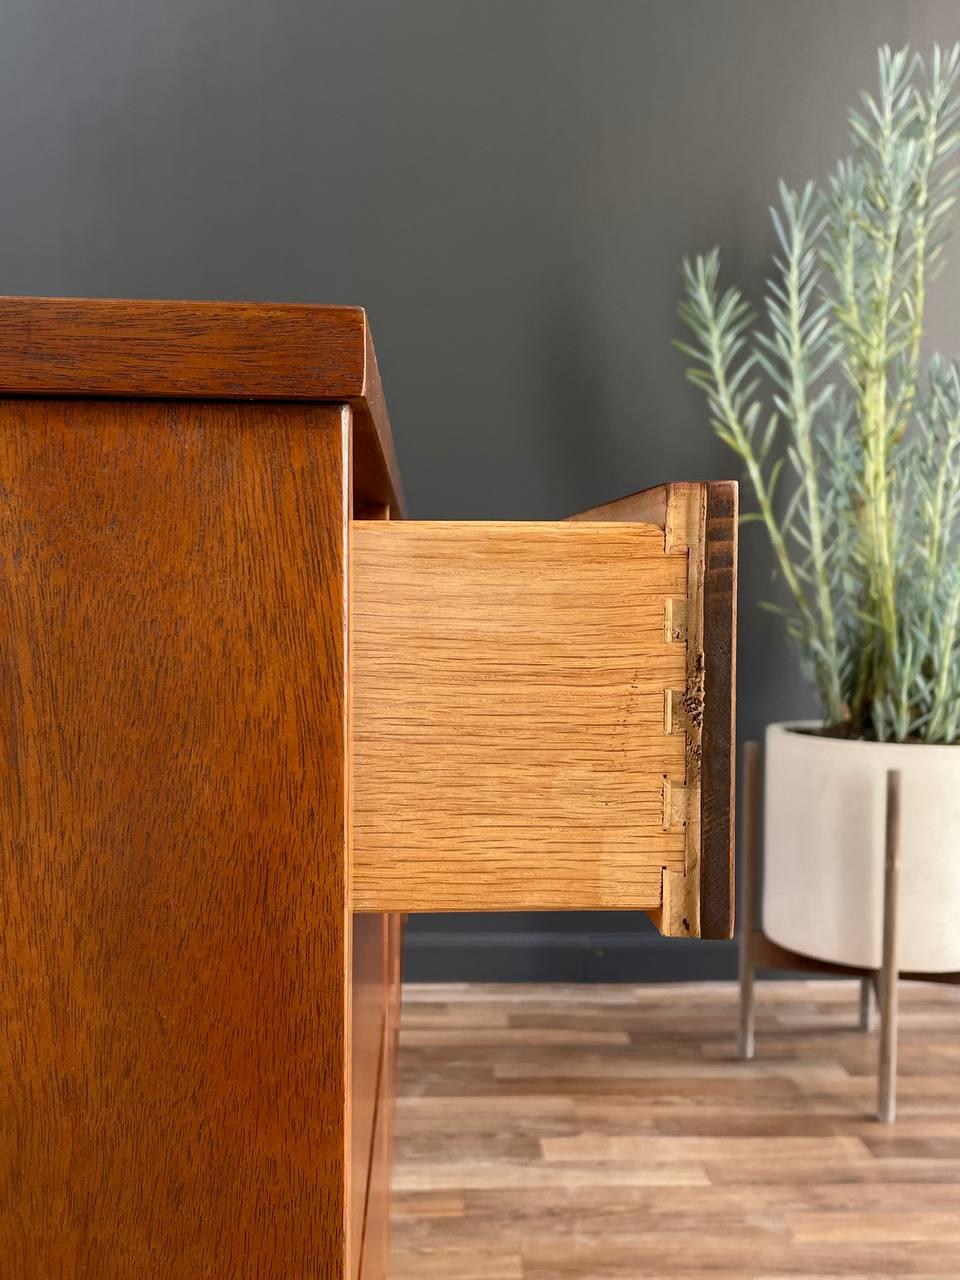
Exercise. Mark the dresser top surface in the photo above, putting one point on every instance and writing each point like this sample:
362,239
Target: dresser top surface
160,349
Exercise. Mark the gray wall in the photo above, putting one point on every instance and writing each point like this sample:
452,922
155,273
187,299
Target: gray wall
508,187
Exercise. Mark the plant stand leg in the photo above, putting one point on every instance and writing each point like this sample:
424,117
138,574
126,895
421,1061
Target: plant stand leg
748,894
866,1004
887,1092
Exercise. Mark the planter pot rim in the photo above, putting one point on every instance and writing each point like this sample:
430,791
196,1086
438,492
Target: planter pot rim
795,729
824,854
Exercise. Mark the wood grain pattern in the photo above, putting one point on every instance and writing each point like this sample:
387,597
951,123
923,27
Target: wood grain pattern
205,350
174,1046
719,734
368,982
647,506
550,1131
699,520
509,741
376,1238
685,534
374,988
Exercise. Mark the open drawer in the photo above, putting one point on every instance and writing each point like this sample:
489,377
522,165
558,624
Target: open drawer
543,712
240,711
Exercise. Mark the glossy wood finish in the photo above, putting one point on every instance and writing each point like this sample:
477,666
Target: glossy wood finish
197,1049
574,1133
205,351
510,746
87,579
375,1249
174,918
374,986
369,1015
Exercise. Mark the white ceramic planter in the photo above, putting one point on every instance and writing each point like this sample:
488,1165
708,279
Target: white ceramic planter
824,849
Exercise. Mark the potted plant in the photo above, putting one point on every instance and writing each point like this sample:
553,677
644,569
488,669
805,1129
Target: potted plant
833,394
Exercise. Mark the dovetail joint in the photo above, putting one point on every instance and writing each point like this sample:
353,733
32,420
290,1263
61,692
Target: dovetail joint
675,620
674,805
674,712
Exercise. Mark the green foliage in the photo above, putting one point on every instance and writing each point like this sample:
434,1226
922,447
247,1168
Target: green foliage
851,444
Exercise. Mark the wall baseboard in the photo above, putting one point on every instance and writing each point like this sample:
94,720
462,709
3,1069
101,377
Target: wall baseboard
530,956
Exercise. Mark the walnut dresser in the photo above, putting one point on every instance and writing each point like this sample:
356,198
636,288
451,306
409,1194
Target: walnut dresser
251,718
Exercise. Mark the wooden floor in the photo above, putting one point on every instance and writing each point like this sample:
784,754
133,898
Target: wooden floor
587,1133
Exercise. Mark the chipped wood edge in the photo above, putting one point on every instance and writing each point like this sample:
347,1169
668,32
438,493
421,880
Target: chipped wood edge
702,519
684,534
698,520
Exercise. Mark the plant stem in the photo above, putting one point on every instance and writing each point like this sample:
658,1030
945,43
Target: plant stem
877,439
764,500
803,433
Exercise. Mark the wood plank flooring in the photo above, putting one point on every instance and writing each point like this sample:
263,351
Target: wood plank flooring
606,1132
